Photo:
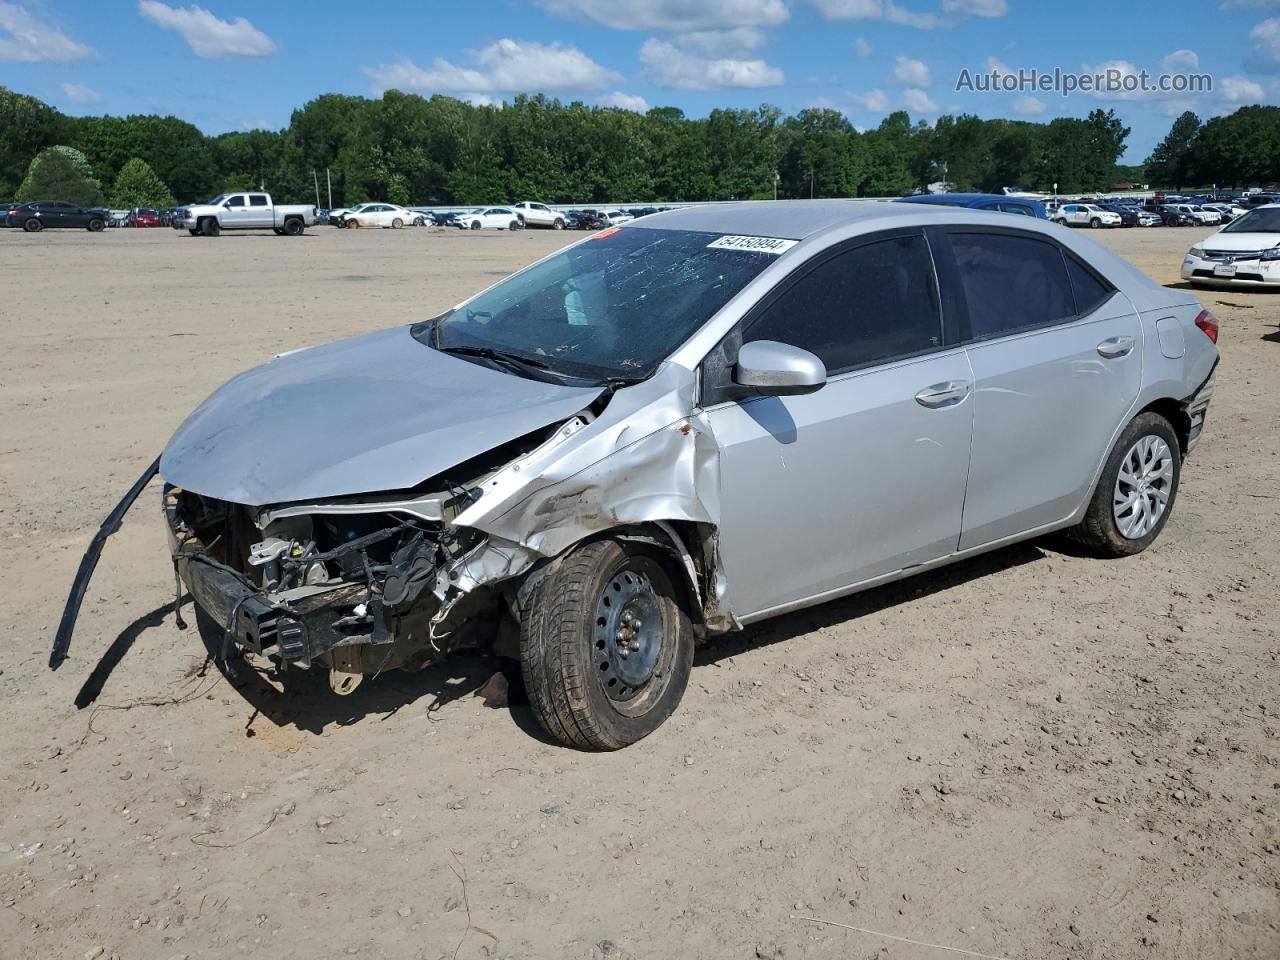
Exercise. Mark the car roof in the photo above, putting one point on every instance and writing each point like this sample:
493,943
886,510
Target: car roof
953,198
786,219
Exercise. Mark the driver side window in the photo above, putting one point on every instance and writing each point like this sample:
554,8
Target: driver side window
867,305
236,201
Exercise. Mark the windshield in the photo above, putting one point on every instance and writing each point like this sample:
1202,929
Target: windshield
613,306
1265,220
217,200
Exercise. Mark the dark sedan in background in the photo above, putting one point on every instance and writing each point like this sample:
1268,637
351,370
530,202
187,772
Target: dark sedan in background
38,215
999,203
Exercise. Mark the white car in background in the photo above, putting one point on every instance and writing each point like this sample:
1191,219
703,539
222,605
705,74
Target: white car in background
1229,211
1085,215
1246,252
540,215
616,217
1210,218
380,215
498,218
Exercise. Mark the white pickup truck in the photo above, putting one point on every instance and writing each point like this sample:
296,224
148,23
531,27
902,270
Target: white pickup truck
539,215
244,211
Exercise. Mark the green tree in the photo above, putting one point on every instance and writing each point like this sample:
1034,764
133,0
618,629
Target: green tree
60,173
28,127
1169,163
138,186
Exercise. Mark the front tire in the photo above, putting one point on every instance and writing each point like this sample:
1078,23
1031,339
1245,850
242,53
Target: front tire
397,224
558,225
1136,491
1095,223
606,647
475,224
210,227
33,226
96,225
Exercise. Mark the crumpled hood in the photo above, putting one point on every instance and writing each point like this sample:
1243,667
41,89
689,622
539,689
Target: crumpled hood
374,413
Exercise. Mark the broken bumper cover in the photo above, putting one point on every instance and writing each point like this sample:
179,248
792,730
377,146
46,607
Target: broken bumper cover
297,628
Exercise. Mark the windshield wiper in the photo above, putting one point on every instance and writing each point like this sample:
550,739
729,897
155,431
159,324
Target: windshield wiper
512,361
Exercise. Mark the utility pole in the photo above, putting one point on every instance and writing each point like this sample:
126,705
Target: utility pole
811,183
316,180
776,178
329,184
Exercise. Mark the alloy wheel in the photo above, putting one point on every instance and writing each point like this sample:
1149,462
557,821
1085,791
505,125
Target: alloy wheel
1143,487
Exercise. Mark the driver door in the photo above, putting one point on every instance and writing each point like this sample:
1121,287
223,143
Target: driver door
866,476
236,214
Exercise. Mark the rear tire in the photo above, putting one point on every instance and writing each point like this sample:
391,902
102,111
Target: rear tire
1061,221
606,648
96,225
210,227
397,224
1136,491
33,226
293,228
1095,223
514,225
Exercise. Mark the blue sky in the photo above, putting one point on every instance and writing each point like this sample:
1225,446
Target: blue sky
238,64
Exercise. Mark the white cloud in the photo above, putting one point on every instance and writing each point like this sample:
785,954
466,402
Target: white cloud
1029,106
507,66
624,101
862,49
1249,4
1239,90
851,10
721,43
910,73
24,39
1179,61
997,65
206,35
873,101
917,101
1265,38
79,93
976,8
672,16
672,67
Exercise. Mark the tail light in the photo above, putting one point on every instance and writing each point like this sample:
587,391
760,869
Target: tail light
1208,325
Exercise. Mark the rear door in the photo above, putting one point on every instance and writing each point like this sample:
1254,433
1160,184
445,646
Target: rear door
1056,353
866,476
260,214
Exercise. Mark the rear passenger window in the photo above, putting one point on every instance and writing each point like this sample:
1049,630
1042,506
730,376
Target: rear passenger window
1090,292
1011,283
866,305
258,201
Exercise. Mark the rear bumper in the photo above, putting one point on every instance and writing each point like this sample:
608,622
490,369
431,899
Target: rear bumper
1197,408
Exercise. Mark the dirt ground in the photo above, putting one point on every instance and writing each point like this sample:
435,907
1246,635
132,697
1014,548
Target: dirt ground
1029,755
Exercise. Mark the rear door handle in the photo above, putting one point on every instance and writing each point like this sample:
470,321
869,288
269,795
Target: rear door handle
1115,347
945,394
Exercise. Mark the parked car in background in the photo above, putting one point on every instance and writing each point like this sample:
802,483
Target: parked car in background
444,219
117,218
52,214
4,212
613,218
605,425
982,201
1229,211
1246,252
381,215
1199,215
144,217
1172,216
245,211
586,220
1085,215
1131,215
540,215
498,218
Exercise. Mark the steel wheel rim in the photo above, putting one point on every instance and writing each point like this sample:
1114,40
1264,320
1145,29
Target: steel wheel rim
627,637
1143,487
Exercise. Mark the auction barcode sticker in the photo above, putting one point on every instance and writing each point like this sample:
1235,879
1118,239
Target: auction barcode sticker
753,244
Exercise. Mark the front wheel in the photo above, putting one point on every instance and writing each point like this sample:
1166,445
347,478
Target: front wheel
558,225
33,226
1061,221
419,222
193,231
96,225
514,225
210,227
1095,223
1136,491
606,648
475,224
397,224
351,224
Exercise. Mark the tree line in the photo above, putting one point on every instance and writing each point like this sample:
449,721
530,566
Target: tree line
405,148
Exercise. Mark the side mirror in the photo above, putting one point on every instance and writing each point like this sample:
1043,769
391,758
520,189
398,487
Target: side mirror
774,369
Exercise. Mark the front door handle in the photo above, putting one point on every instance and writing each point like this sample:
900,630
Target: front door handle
1115,347
945,394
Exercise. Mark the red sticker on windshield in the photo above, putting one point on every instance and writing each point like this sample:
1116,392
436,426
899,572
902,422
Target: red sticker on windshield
607,233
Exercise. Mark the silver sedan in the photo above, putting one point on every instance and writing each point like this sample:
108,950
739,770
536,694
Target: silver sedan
676,428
